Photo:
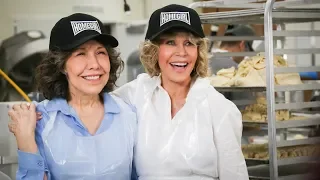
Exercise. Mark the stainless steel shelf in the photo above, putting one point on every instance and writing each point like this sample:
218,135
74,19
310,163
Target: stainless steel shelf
296,69
249,16
250,123
243,102
307,176
4,160
274,168
276,52
298,123
299,87
287,161
239,38
297,160
298,105
312,140
288,172
240,89
278,88
285,124
288,33
254,162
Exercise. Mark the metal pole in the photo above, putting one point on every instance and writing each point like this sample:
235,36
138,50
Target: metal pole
268,36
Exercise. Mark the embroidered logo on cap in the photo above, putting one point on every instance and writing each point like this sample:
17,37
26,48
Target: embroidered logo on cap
79,26
166,17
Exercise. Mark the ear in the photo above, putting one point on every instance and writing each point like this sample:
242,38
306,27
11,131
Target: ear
242,45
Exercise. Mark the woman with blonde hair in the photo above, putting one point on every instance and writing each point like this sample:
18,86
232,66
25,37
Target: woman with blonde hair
186,129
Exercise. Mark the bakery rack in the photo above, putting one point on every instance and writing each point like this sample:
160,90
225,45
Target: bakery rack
268,13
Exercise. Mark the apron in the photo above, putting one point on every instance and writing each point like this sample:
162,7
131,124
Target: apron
105,156
167,149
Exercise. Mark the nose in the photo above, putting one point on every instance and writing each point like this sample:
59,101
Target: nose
92,62
181,50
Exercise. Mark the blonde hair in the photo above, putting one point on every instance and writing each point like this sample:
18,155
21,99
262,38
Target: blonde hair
149,53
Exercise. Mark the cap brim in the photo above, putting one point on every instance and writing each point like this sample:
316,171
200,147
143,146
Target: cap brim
104,39
176,25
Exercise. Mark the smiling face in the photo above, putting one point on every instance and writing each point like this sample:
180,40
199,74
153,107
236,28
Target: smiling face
87,69
178,54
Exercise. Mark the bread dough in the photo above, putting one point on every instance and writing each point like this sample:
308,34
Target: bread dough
220,81
260,151
288,79
224,78
248,77
258,112
252,73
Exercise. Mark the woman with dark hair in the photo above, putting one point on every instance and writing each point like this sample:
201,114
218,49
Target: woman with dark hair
84,133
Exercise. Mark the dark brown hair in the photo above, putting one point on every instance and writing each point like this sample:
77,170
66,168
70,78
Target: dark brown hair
52,81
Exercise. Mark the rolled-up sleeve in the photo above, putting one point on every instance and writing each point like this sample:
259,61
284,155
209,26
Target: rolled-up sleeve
30,167
33,166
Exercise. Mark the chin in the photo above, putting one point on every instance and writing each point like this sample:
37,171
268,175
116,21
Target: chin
92,90
180,79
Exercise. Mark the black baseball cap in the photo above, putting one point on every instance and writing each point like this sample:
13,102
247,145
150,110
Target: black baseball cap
241,30
174,16
72,31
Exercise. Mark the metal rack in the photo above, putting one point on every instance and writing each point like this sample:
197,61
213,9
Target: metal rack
267,14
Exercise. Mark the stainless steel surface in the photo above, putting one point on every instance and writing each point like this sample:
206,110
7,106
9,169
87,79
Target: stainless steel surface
277,35
286,124
243,102
297,160
298,105
227,4
268,14
4,160
288,33
249,16
19,55
248,3
276,52
296,69
278,88
298,123
268,24
300,87
311,140
240,89
289,172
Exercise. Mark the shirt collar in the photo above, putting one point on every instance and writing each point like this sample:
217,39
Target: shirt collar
60,104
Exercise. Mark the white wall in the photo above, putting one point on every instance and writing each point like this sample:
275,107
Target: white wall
106,10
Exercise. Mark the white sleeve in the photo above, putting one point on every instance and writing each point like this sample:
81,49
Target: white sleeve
127,92
227,137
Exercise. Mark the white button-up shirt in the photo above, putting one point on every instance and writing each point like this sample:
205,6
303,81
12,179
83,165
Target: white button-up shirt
201,142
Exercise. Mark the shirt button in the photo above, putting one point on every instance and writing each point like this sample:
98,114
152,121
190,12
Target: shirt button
40,163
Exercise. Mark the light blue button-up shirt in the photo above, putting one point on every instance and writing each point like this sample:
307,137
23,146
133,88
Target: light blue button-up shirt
33,166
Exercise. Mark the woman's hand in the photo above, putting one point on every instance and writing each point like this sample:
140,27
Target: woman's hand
22,125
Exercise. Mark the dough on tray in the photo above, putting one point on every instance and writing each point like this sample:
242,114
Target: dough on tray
260,151
251,72
224,78
258,112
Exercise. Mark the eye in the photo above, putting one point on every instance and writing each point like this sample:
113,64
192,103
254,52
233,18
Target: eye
80,54
102,52
188,43
170,42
